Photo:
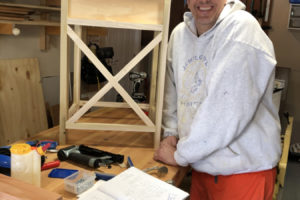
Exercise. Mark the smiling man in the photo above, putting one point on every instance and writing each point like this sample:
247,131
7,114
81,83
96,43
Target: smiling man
219,116
205,13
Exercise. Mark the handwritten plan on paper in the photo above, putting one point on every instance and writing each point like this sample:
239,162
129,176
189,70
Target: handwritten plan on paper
134,184
94,194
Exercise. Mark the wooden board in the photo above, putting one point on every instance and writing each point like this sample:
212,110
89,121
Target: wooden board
14,10
22,104
29,7
54,3
13,189
52,30
129,11
6,29
12,18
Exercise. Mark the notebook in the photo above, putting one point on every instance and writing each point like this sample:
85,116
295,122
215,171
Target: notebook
133,184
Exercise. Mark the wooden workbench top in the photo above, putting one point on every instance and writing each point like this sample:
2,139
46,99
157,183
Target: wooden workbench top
104,138
141,158
137,145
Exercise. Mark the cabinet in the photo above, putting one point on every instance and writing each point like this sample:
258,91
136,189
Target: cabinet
294,17
122,14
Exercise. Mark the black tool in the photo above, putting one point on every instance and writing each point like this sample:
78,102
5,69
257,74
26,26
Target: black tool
88,156
115,158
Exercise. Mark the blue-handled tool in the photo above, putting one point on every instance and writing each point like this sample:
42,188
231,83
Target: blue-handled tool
52,146
42,143
129,162
103,176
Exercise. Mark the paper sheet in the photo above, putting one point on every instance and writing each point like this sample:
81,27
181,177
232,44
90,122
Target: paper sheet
134,184
94,194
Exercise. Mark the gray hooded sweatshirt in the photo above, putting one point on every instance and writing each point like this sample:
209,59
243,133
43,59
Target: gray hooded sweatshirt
218,95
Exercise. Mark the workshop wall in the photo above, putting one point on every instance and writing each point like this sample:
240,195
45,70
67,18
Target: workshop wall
286,43
27,45
287,48
126,44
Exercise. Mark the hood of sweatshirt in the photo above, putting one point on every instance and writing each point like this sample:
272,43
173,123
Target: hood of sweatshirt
230,7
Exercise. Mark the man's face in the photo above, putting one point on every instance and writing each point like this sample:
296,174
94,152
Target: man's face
205,12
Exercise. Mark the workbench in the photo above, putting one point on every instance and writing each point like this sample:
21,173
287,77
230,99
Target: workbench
137,145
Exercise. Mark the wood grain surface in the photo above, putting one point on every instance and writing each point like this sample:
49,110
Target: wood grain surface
137,145
22,106
129,11
13,189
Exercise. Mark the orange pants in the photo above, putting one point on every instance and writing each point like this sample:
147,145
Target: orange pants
247,186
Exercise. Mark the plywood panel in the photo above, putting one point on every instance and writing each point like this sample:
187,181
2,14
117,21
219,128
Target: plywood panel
21,100
129,11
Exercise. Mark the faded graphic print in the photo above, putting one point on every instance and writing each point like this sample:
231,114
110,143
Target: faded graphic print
192,89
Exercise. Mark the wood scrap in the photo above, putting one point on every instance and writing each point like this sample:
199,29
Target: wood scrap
54,3
22,106
11,15
13,189
11,18
14,14
6,29
15,10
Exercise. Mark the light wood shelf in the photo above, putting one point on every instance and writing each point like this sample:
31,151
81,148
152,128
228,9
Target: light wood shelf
34,22
27,14
33,7
115,24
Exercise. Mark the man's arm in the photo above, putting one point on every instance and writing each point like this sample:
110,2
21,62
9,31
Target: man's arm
169,120
165,152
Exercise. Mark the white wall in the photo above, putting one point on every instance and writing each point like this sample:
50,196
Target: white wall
27,45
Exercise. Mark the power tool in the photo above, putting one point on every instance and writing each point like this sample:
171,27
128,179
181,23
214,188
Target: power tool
137,78
88,156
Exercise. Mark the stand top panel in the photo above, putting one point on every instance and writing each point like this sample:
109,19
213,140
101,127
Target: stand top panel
123,11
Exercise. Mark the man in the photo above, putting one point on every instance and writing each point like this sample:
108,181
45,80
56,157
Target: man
219,117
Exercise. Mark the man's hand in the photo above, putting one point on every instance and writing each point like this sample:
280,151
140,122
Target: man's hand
165,152
170,140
